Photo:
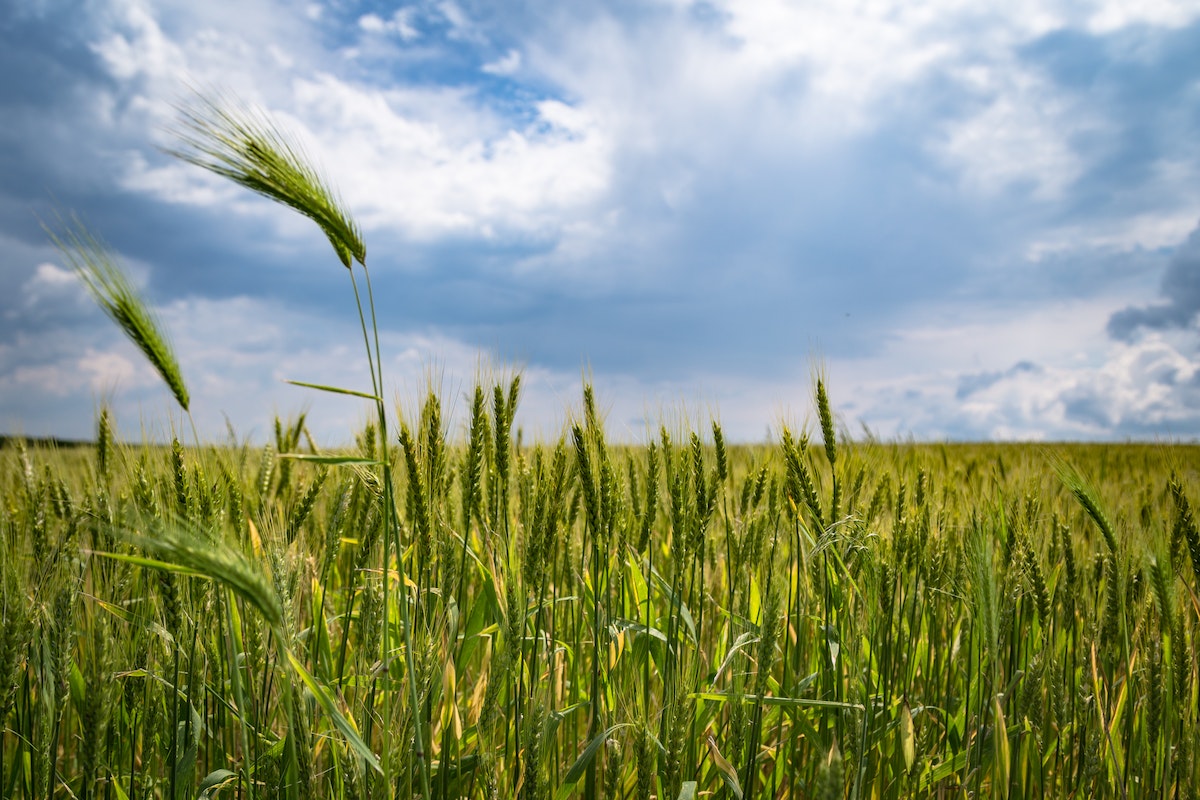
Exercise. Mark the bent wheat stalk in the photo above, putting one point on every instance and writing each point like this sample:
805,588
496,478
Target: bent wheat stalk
249,149
98,270
244,146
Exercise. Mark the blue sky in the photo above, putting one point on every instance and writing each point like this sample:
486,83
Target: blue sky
983,221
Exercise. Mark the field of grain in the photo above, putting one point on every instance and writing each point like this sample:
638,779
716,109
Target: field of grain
442,611
581,619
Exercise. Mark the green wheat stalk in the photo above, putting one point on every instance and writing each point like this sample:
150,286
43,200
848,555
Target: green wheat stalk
98,270
248,149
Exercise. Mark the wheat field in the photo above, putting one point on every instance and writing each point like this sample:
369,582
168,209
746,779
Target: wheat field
442,610
584,619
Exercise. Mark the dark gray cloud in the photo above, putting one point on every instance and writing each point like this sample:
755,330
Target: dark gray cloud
1145,76
978,381
1180,291
1088,408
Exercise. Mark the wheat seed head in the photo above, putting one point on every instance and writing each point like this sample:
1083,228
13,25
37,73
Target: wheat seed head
98,270
243,145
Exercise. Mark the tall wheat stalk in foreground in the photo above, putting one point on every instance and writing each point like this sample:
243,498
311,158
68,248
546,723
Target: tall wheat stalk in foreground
247,148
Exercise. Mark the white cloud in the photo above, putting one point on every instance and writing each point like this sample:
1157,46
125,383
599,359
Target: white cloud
853,50
237,355
1157,215
508,65
401,23
372,23
49,293
44,378
1023,135
816,75
1147,231
139,47
431,164
64,373
427,162
860,48
109,371
1112,15
51,284
172,182
461,26
157,51
955,378
817,71
775,81
1144,386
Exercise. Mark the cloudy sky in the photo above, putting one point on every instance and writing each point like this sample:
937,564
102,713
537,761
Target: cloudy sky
982,219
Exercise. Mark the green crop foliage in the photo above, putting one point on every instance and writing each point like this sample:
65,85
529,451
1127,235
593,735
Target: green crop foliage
598,620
